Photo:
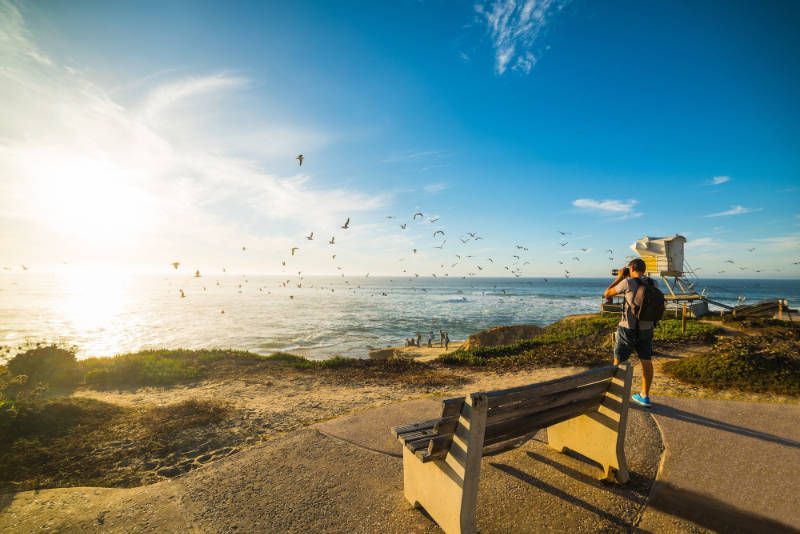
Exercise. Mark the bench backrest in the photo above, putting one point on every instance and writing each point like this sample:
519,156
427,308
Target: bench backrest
515,412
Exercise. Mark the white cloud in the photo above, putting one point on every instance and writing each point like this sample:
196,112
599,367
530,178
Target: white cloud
86,178
514,29
167,95
735,210
719,180
435,188
622,208
781,243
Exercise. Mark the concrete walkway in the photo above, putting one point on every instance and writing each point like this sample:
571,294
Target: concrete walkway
728,467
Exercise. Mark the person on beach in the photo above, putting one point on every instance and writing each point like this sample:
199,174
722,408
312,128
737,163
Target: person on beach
419,339
446,340
430,340
441,338
633,334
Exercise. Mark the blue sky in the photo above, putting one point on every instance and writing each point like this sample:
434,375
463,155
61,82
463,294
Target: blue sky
147,132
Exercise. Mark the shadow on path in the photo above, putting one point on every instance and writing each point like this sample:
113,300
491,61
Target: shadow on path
681,415
710,513
544,486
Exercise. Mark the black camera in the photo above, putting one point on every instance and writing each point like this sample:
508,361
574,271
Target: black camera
625,272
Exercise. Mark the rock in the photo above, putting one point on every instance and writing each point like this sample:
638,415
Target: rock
503,335
382,354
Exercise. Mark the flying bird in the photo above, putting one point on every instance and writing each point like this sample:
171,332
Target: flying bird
175,265
584,250
332,241
403,226
576,258
751,249
610,251
442,245
346,224
418,213
564,233
433,220
564,243
300,159
437,232
310,236
294,249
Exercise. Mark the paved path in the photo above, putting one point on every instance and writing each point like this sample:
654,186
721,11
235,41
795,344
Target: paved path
729,467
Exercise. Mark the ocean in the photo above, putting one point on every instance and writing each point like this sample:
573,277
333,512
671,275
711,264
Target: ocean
103,315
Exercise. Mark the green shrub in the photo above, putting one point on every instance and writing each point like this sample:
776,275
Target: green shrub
149,368
671,330
48,364
758,364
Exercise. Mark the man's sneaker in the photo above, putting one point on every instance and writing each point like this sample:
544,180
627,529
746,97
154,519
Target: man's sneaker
644,401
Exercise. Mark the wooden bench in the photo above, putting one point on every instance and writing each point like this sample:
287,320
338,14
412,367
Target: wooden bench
586,413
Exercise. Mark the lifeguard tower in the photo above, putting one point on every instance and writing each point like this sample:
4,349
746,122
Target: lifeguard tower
663,257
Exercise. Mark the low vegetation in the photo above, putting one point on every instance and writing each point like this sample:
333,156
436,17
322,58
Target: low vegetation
583,341
73,441
760,364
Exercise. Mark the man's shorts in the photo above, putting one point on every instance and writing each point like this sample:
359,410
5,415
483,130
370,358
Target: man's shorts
629,340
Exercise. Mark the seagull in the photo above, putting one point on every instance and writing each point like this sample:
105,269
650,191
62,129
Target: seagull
418,213
390,217
175,265
283,263
751,249
584,250
576,258
515,256
610,251
310,236
564,244
490,260
197,273
332,241
437,232
414,250
346,224
433,220
244,248
403,226
300,159
183,295
294,249
333,257
729,261
464,241
442,245
564,233
472,234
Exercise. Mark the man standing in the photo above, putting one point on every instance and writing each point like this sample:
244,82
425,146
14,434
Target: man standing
633,334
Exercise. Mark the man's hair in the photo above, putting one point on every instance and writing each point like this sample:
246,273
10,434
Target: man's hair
638,265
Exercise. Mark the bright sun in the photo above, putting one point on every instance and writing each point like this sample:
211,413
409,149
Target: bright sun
89,199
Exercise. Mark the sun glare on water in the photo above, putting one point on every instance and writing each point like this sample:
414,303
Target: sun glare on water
92,304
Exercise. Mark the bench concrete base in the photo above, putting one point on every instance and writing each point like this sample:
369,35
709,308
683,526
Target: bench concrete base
448,489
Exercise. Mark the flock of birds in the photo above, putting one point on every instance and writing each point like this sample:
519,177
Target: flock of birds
470,261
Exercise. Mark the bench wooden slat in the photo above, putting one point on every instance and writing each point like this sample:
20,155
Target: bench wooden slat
398,431
451,407
540,404
525,425
437,448
505,396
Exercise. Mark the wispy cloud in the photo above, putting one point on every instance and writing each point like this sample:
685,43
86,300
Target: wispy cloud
169,94
719,180
435,188
735,210
514,28
112,183
622,208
